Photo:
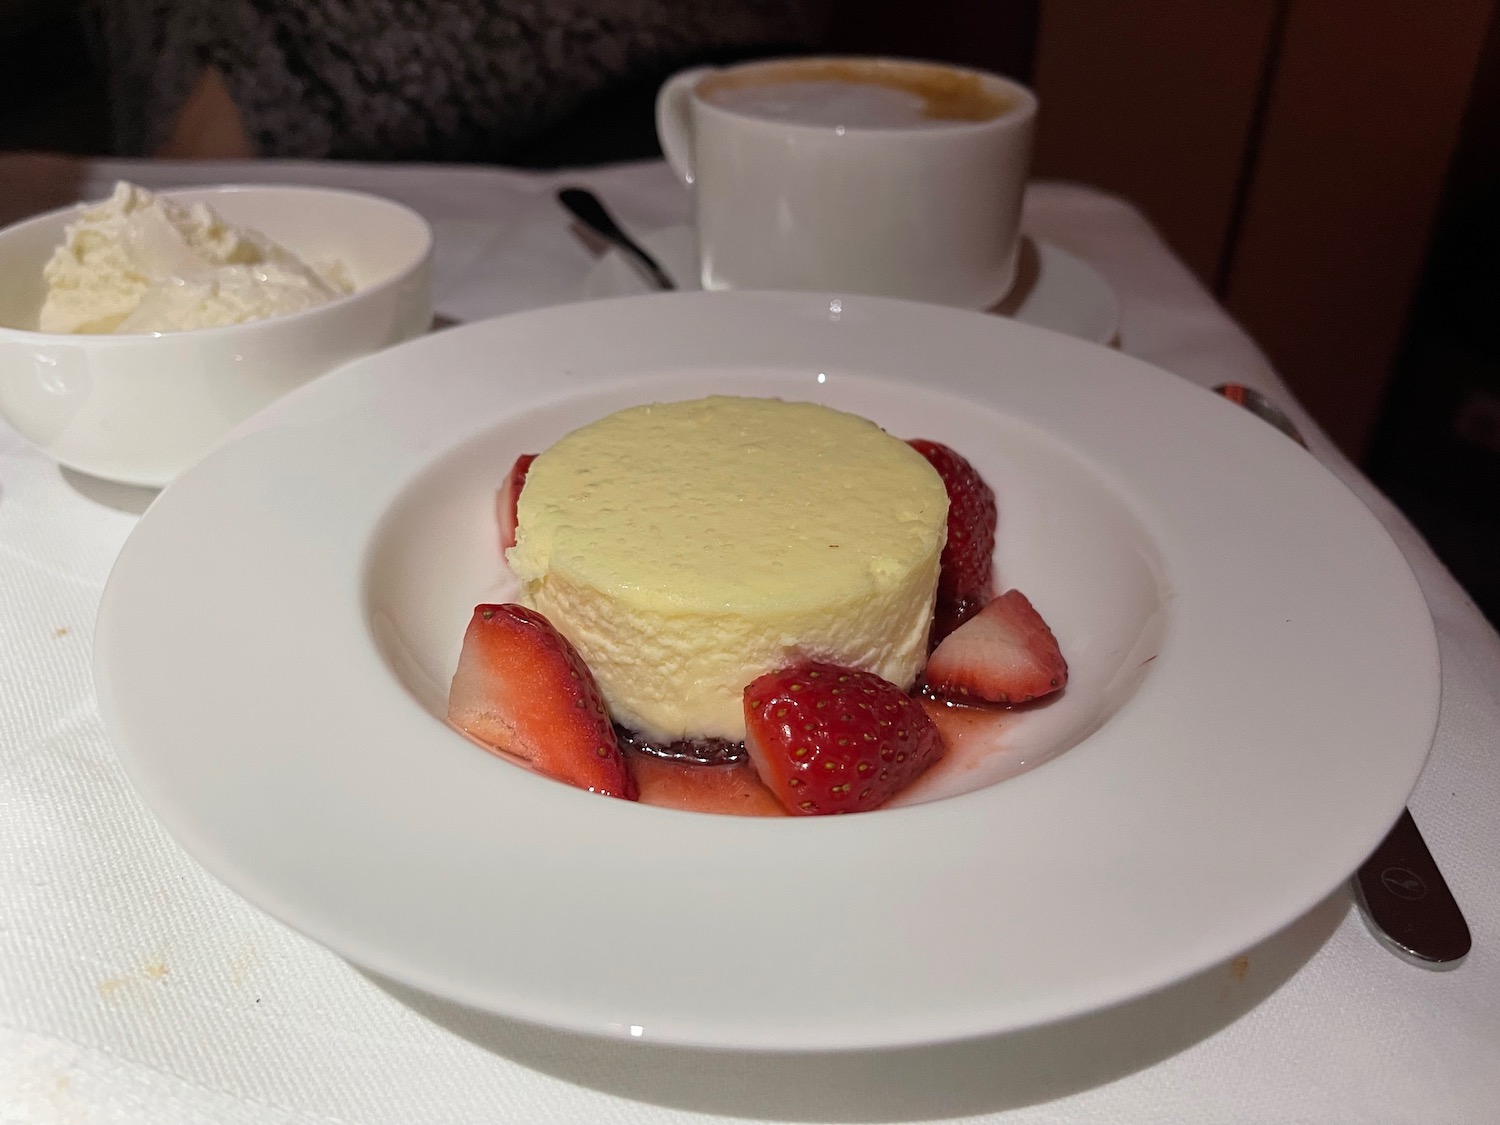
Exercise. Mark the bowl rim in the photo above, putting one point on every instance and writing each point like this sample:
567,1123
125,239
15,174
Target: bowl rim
1008,120
136,339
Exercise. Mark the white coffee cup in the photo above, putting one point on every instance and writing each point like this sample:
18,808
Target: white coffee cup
881,176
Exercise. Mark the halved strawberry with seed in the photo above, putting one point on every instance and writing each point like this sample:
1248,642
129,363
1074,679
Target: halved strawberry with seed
948,613
968,556
506,498
826,739
1005,654
521,688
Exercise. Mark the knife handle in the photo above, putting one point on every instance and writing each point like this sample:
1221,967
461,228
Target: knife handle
1406,902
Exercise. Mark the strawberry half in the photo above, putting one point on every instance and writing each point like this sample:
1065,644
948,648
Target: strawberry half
968,556
1005,654
826,739
948,613
508,496
521,688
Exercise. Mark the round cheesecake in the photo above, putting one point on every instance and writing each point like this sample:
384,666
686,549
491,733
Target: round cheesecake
687,548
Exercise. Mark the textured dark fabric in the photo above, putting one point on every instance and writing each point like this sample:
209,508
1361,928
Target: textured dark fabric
516,81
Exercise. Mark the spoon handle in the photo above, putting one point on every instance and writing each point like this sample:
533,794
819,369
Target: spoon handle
1399,890
587,208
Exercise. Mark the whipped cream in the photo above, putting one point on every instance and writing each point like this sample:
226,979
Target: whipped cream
140,263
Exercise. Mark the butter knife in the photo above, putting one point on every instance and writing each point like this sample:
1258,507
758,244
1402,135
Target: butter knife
1400,892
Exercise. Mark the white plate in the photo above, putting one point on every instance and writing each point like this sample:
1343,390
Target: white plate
1255,688
1054,289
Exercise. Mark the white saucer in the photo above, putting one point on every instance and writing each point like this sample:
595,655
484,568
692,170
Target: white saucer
1054,289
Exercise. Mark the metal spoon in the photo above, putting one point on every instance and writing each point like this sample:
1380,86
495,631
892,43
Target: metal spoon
587,208
1400,891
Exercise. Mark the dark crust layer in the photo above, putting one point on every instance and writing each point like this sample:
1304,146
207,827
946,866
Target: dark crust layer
705,751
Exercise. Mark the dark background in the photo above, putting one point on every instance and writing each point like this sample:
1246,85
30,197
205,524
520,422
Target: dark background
1435,445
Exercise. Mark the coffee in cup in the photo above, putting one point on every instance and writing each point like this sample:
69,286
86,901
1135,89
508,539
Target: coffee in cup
853,175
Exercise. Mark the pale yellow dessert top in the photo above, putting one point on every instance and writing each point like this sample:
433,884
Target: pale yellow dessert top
729,505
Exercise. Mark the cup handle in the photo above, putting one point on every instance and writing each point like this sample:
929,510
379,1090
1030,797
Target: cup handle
674,121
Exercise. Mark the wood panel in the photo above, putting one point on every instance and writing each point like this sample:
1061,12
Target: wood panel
1362,121
1154,100
998,35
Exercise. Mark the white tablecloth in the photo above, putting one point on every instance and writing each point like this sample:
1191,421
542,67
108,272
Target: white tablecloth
134,988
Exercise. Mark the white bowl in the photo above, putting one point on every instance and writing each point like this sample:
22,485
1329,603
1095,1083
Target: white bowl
141,407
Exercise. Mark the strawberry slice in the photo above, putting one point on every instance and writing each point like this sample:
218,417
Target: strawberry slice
1004,654
508,496
968,556
826,739
948,613
522,689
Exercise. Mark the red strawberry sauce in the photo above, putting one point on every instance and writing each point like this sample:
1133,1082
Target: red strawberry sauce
732,789
736,790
